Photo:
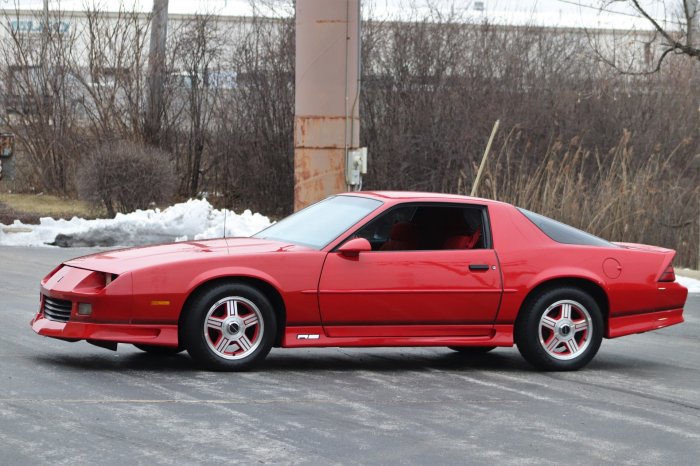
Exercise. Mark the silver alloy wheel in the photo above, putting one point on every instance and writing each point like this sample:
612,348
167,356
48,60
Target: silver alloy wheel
233,327
565,329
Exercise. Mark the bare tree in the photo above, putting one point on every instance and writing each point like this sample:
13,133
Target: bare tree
70,85
111,71
252,152
580,141
683,38
196,79
38,99
676,33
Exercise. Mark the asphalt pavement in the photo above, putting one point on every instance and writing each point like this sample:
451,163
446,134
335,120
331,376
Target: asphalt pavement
638,402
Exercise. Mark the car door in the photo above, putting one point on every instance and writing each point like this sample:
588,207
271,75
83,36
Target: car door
420,292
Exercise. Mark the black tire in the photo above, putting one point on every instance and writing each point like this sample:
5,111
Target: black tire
234,346
472,350
534,333
159,350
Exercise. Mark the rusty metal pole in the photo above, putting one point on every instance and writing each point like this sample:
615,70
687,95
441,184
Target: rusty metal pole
327,116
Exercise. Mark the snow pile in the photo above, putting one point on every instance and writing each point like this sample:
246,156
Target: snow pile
191,220
692,284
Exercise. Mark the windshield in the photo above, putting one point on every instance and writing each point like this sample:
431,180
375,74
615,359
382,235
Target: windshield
563,233
321,223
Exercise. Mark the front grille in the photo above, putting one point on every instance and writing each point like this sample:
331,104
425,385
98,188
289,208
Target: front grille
57,309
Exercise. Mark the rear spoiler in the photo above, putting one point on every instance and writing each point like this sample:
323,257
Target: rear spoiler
665,272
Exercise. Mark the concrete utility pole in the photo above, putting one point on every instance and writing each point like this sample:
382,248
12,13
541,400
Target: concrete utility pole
691,14
693,17
156,69
327,116
45,33
46,15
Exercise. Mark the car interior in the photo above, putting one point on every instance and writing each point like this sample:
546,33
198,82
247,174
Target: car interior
417,227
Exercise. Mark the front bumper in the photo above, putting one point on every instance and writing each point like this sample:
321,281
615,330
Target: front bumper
111,310
161,335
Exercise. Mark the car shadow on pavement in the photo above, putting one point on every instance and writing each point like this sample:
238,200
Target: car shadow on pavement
119,362
348,359
392,361
295,360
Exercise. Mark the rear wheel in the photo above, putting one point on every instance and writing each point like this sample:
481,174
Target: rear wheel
159,350
229,327
560,330
472,350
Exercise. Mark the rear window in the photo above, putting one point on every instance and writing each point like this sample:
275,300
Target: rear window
562,233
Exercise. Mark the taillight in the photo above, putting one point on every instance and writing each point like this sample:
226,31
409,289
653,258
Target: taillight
669,275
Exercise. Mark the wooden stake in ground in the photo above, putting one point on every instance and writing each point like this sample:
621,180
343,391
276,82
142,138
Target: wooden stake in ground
475,186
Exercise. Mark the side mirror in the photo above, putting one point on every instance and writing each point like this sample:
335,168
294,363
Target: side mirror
354,247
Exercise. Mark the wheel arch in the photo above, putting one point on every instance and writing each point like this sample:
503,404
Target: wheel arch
265,287
589,286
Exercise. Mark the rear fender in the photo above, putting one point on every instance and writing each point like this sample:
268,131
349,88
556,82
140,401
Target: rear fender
514,297
565,272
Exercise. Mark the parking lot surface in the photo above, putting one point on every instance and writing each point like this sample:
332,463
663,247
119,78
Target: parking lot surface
638,402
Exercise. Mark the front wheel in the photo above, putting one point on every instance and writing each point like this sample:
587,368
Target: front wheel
229,327
560,330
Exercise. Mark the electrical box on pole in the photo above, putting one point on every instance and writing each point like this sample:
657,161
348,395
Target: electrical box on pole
355,167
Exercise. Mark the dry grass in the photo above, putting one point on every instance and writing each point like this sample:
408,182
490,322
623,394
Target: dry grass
30,207
619,195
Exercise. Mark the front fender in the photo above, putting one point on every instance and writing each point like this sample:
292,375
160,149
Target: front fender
160,293
234,271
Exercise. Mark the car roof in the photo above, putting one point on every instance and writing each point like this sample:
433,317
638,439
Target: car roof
421,196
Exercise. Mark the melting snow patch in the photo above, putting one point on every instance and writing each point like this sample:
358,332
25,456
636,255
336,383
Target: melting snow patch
191,220
692,284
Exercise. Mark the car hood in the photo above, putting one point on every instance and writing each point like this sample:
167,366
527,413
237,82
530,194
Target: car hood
125,260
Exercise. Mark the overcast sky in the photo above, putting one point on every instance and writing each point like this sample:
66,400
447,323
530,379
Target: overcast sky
564,13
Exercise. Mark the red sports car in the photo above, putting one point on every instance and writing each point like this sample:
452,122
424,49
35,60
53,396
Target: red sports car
371,269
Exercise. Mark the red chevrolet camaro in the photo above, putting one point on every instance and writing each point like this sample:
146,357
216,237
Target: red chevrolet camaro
371,269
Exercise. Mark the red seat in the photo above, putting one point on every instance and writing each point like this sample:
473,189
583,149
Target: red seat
462,241
402,237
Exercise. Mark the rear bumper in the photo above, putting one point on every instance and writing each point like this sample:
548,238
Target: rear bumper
161,335
643,322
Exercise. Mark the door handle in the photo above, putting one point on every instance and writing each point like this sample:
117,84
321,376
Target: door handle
478,267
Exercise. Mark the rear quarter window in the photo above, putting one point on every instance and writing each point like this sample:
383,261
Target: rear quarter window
563,233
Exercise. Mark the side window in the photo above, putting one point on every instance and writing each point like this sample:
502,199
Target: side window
379,231
421,227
